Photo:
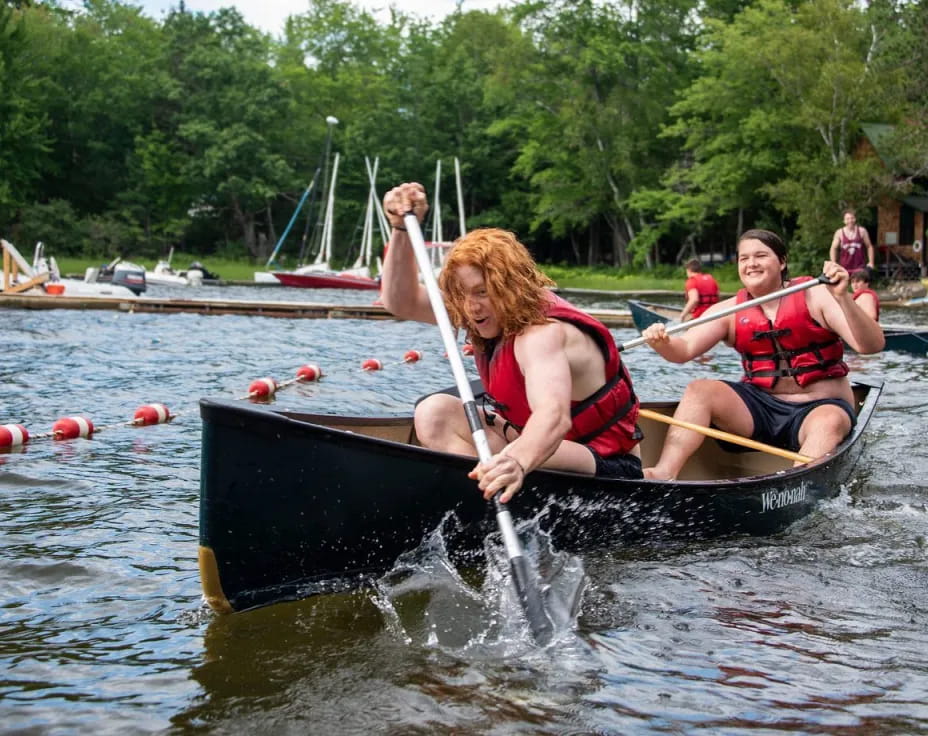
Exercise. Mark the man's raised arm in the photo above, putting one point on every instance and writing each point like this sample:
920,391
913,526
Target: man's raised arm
400,291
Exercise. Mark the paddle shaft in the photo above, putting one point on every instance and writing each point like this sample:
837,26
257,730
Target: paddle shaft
726,436
682,326
526,588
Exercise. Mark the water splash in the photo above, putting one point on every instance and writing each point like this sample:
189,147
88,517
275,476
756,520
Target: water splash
476,613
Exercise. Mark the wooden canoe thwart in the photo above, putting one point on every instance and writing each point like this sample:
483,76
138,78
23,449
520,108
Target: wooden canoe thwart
293,504
902,338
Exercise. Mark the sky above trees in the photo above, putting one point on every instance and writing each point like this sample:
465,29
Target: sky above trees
269,15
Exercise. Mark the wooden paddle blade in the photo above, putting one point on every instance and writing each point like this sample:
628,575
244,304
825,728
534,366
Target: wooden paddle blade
530,598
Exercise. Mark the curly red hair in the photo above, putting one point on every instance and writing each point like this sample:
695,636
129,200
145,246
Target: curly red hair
516,288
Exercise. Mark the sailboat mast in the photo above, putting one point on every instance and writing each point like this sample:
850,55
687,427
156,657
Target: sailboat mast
457,179
436,219
325,252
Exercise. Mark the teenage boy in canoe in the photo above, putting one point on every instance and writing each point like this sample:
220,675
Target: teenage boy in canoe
795,392
561,396
865,297
701,289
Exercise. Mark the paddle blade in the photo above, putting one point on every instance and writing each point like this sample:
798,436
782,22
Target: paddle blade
531,600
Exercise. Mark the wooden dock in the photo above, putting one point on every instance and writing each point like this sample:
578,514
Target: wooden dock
290,310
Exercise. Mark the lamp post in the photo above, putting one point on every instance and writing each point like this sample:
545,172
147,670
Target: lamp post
331,121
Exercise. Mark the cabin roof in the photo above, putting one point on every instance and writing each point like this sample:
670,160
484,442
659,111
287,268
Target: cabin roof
917,203
878,135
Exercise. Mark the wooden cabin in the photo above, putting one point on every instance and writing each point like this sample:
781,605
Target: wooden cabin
901,222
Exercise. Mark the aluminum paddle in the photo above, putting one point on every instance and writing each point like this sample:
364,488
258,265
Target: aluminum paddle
525,584
683,326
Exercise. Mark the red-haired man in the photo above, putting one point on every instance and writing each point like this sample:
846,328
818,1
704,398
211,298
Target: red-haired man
561,396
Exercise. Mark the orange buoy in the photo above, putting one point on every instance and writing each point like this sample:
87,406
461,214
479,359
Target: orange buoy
151,414
371,364
69,428
13,435
262,388
412,356
467,349
309,372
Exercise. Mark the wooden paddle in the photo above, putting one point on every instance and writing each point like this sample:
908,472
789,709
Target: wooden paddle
682,326
718,434
525,583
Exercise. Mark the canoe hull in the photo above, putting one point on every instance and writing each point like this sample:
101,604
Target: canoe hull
327,281
290,507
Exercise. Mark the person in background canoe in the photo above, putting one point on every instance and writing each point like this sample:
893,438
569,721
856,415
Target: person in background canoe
851,246
701,289
560,395
795,392
865,297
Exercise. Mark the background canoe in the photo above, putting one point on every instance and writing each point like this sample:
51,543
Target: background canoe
295,504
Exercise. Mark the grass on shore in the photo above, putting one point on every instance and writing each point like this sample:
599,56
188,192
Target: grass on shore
599,278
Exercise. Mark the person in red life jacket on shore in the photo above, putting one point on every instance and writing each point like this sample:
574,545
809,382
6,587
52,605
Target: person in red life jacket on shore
701,289
865,297
851,246
559,395
795,392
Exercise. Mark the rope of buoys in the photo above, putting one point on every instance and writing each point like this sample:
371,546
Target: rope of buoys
261,389
373,364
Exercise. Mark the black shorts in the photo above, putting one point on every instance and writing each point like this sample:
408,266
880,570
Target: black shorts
777,422
617,466
614,466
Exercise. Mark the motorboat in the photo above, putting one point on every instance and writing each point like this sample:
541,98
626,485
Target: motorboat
44,277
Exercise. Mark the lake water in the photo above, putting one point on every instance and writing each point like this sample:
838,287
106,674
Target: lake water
822,629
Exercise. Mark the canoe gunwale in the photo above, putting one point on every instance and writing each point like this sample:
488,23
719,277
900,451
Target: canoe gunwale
326,425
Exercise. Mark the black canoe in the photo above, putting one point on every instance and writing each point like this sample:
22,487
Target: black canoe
898,337
295,504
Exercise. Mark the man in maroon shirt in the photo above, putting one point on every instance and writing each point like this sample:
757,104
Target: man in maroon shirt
848,244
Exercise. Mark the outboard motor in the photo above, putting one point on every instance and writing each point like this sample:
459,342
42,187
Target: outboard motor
129,275
207,274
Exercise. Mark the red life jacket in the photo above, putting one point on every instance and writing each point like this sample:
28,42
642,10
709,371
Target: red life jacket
604,421
708,291
876,299
809,351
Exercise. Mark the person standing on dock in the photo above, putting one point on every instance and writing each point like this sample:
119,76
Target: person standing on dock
701,289
795,392
851,246
559,395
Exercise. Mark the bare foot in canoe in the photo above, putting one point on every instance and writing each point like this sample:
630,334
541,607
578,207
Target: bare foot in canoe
656,474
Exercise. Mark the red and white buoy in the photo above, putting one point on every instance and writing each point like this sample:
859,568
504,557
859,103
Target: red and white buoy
371,364
467,349
309,372
13,435
151,414
69,428
412,356
262,388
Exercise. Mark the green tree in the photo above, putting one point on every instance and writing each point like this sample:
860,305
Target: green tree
24,139
589,98
770,125
230,107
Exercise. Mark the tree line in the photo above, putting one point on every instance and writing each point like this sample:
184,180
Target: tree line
621,133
